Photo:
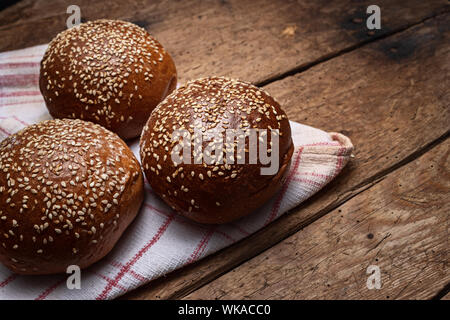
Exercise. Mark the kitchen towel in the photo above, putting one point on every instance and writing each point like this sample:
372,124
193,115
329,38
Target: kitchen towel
158,241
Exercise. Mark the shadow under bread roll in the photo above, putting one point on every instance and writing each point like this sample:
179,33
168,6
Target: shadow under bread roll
68,190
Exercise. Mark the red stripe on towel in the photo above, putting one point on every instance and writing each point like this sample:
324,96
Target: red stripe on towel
136,258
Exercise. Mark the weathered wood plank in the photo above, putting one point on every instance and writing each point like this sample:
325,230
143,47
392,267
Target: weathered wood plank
254,40
391,97
400,225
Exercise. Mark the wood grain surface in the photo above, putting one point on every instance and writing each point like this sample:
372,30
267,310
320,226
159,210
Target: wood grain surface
329,259
255,40
390,97
387,90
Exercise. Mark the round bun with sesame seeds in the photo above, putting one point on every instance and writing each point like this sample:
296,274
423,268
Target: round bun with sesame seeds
68,190
110,72
218,188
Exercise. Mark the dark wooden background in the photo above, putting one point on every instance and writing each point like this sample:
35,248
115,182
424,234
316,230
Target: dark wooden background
388,90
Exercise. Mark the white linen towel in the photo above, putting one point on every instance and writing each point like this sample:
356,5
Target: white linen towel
158,241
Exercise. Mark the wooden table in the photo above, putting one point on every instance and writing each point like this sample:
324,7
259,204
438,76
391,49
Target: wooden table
387,89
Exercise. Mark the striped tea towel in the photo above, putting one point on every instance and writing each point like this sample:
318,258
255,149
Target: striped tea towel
159,241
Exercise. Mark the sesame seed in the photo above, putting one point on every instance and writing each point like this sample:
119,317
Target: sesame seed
217,104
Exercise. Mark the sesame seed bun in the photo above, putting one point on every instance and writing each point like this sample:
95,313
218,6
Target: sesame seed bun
216,192
110,72
68,190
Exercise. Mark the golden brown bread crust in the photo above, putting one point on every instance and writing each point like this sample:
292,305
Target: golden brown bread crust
68,190
109,72
213,193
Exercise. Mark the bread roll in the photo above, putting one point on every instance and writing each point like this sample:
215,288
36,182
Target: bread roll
217,191
109,72
68,190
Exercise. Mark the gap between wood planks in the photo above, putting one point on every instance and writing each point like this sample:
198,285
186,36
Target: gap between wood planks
443,294
305,67
365,184
242,39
